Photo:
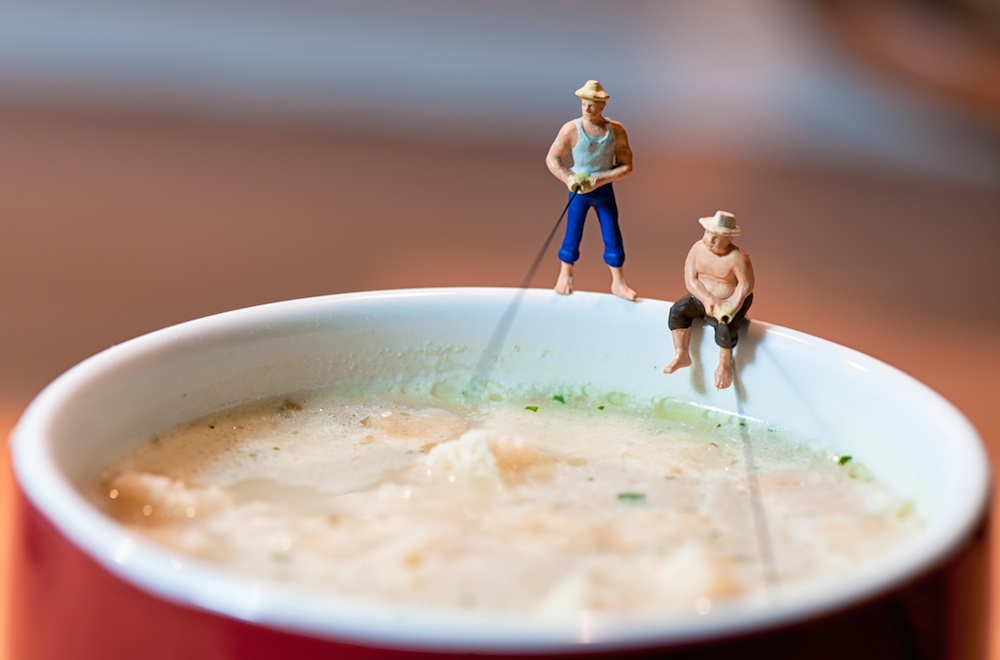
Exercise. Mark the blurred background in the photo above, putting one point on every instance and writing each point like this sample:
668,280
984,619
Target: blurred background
163,161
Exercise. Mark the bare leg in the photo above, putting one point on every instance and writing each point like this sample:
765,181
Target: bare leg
724,372
682,354
618,286
564,284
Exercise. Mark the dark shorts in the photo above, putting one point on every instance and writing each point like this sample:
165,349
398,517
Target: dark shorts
687,309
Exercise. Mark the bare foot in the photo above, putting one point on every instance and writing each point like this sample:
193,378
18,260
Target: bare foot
622,290
564,284
682,350
618,286
681,360
724,374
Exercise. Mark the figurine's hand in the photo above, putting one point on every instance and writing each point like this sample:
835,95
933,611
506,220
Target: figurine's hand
580,182
715,310
723,312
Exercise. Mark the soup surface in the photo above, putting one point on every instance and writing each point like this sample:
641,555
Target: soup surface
535,503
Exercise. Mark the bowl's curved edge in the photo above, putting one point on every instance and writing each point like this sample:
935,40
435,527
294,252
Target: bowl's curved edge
290,609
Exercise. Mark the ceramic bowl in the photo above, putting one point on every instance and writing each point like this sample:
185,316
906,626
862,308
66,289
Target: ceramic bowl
86,587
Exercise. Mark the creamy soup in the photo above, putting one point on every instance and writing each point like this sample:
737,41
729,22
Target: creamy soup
543,503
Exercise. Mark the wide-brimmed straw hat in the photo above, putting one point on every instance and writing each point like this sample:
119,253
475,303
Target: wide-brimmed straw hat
722,223
593,91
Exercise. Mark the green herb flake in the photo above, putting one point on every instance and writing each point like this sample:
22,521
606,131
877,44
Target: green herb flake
632,497
600,407
531,408
560,398
843,460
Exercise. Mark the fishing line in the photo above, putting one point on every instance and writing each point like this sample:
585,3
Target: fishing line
488,359
769,567
484,369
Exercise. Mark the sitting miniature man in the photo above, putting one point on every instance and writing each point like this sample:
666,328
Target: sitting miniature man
601,155
719,277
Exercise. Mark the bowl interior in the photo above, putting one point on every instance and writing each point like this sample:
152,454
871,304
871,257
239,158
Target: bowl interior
906,434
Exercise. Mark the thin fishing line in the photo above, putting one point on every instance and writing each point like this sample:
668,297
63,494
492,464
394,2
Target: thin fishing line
765,548
485,367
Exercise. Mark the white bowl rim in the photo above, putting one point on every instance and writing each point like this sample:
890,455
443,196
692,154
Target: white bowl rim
189,583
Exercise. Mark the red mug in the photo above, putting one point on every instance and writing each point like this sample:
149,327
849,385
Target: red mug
86,587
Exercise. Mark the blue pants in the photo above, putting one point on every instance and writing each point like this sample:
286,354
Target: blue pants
603,201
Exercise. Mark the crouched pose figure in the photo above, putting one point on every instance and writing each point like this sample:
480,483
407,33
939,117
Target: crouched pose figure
719,278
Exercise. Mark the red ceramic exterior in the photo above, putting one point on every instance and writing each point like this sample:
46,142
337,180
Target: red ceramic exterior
65,606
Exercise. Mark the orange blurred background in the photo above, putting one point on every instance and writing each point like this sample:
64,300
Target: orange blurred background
163,163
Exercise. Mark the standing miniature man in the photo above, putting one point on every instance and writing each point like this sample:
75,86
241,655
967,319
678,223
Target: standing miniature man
719,277
601,155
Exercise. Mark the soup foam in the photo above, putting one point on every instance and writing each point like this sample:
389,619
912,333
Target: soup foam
548,504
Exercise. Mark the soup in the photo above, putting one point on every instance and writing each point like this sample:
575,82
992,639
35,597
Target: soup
512,502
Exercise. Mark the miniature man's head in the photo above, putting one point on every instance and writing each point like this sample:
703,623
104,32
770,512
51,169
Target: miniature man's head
719,231
592,97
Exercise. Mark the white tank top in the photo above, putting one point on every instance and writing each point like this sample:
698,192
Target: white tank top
592,155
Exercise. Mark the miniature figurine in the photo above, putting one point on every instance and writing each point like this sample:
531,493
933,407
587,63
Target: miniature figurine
719,276
601,154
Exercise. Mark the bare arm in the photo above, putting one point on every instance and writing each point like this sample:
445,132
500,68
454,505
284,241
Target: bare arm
743,270
694,284
560,149
623,159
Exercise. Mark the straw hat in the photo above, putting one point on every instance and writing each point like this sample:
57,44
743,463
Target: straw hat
593,91
722,223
